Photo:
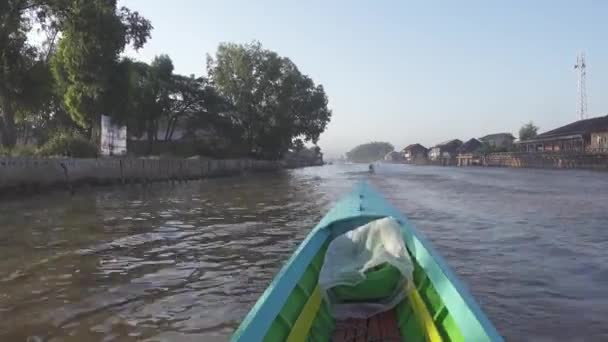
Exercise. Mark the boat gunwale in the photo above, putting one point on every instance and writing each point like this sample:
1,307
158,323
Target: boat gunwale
260,317
426,255
468,303
369,206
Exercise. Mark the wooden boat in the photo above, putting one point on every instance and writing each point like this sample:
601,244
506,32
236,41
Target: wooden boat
437,308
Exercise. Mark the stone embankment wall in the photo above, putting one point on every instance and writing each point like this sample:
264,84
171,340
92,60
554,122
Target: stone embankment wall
547,160
439,162
36,173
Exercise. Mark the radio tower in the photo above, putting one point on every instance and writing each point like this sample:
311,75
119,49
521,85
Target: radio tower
581,73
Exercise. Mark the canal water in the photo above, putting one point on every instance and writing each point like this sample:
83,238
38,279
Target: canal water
186,261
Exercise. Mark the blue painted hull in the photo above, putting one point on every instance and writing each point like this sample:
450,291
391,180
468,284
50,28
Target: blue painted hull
363,205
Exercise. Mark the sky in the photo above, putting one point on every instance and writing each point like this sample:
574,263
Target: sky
408,71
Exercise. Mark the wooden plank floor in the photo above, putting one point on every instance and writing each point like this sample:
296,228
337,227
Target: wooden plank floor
382,327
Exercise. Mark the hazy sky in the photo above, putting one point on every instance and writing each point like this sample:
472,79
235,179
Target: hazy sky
406,72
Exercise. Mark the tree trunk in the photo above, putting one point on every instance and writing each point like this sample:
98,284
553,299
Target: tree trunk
155,125
173,128
7,126
249,138
26,135
95,134
150,132
168,129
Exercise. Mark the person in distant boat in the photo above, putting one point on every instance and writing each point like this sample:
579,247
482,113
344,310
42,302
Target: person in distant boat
371,168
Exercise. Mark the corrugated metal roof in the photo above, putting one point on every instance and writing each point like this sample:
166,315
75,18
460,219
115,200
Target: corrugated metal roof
452,141
496,135
412,146
598,124
470,146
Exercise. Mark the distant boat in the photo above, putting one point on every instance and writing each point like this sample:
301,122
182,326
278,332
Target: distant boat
436,308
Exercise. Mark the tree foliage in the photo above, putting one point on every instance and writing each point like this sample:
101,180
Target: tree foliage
68,143
528,131
149,95
369,152
271,100
22,77
304,156
158,98
94,33
84,64
254,102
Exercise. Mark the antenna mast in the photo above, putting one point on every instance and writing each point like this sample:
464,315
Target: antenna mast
581,73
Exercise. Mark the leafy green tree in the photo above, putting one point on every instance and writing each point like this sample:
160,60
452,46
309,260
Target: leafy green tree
271,100
303,156
149,91
38,124
159,98
21,71
68,143
241,73
528,131
156,92
193,101
255,99
28,102
298,145
369,152
94,33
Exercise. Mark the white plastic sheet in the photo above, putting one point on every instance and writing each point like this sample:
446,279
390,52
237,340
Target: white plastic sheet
350,255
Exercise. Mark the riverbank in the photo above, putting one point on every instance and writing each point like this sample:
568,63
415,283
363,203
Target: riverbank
26,175
553,160
547,160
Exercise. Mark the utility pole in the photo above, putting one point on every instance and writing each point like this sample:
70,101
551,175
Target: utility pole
581,73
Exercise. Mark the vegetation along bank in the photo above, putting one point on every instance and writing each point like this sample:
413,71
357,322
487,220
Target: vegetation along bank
55,89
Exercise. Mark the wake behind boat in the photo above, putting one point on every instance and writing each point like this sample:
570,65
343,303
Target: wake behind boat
432,305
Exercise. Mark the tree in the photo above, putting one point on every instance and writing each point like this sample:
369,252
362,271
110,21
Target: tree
271,100
298,145
43,113
528,131
369,152
160,101
318,154
192,100
26,86
147,93
20,69
304,156
94,33
157,89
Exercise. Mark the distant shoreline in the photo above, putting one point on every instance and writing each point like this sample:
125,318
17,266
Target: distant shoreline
597,162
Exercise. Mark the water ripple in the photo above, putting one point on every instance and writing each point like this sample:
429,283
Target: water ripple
185,262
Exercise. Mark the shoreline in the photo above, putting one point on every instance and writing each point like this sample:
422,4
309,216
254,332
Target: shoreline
556,161
21,176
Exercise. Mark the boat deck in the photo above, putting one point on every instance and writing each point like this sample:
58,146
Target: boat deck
382,327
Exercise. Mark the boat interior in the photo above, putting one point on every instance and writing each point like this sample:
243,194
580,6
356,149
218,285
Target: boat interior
436,306
421,316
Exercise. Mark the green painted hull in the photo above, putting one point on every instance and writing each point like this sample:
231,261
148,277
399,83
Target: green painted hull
291,309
